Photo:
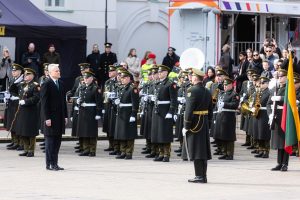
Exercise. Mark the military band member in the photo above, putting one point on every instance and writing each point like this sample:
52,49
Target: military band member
110,94
28,113
228,102
126,123
277,134
165,103
89,103
247,86
12,105
263,130
197,115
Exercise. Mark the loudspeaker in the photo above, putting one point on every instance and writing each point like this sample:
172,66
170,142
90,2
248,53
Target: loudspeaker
292,24
224,21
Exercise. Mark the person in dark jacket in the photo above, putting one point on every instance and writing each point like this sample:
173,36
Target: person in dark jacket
198,113
242,74
171,58
89,103
226,61
94,60
256,63
32,59
55,114
51,57
28,113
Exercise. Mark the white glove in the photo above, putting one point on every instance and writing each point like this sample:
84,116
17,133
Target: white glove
297,102
117,101
78,101
276,98
168,116
182,100
145,98
153,98
221,105
184,130
270,119
71,119
175,118
97,117
253,110
132,119
6,95
103,111
22,102
83,104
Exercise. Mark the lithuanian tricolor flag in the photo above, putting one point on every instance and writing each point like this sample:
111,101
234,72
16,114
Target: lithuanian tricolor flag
290,119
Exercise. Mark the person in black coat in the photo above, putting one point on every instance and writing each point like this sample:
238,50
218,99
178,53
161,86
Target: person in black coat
242,74
51,57
94,60
28,113
107,58
198,113
32,59
171,58
55,114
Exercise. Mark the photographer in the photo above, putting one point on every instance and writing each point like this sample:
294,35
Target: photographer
31,59
5,69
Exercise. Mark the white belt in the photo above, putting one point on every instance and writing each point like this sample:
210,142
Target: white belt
163,102
125,105
13,98
263,108
76,108
280,107
88,104
225,110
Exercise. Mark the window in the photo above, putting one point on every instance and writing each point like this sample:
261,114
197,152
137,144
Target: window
55,3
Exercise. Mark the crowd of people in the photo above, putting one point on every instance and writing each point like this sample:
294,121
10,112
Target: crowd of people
158,97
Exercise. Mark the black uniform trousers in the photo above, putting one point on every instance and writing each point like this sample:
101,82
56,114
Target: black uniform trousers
200,167
52,145
282,157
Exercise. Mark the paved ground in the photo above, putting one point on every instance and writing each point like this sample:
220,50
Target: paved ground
105,178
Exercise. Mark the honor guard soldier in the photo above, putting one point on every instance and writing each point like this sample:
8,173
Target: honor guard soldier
247,86
28,113
198,113
126,123
106,59
228,102
110,94
260,112
12,105
165,103
89,103
274,107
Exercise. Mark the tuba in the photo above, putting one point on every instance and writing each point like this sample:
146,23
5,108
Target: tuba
245,109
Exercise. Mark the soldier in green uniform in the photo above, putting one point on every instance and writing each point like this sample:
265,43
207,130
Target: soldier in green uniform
165,103
90,109
228,102
28,113
263,130
198,113
275,113
12,105
126,123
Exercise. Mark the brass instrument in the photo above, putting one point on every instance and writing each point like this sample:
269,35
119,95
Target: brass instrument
246,106
214,95
257,104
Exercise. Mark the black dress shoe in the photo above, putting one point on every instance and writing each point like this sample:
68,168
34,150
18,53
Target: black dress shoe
92,154
158,158
214,142
56,168
49,168
77,147
259,155
246,145
114,153
198,179
229,158
23,154
42,148
85,153
13,147
218,153
122,156
254,151
152,155
277,168
147,151
222,157
179,154
166,159
109,149
178,150
42,144
78,151
20,148
265,155
10,145
128,157
284,168
215,145
144,148
251,147
30,154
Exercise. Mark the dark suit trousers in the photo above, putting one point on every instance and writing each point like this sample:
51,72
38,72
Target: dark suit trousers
282,157
52,145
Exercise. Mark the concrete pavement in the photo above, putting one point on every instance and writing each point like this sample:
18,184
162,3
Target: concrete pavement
105,178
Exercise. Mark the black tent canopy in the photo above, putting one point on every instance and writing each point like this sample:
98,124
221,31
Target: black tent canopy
22,20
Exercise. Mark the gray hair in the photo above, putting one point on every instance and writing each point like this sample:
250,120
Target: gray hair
51,67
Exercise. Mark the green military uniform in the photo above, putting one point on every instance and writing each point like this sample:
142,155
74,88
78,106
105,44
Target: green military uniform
226,120
89,114
165,103
28,114
12,107
126,123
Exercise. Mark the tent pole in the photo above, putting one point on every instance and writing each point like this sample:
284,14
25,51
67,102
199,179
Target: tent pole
106,27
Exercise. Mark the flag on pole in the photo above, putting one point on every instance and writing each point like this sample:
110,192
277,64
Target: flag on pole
290,119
